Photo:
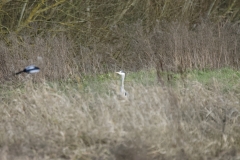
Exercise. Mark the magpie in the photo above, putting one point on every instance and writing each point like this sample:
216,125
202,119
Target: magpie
29,69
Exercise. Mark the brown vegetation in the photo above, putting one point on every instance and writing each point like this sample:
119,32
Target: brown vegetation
79,37
193,122
172,47
70,39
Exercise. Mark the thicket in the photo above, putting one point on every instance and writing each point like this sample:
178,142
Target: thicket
77,37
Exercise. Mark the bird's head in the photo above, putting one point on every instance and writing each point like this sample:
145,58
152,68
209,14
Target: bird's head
121,73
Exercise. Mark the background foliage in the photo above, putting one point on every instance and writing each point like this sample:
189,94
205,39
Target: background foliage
100,36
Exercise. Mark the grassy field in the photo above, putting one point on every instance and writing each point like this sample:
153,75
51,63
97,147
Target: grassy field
195,118
72,109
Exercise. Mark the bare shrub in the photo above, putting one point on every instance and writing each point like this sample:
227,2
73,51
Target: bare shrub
52,55
61,58
171,47
178,49
207,46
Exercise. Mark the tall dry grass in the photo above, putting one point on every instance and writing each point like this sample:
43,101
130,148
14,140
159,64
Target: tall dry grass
170,47
204,46
41,121
53,55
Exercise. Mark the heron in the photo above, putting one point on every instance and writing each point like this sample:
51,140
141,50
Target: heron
122,74
29,69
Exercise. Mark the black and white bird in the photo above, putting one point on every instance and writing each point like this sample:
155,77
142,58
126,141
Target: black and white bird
29,69
123,92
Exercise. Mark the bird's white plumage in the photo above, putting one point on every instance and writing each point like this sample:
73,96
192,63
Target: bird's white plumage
34,71
123,91
30,67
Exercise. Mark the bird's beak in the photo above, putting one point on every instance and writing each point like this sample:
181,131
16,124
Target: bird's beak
117,72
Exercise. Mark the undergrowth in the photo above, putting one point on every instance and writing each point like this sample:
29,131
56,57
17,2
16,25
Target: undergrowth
61,121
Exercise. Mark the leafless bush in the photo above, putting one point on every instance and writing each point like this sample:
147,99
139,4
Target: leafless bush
171,47
178,48
52,55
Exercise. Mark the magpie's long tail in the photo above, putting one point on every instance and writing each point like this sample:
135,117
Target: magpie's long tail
19,72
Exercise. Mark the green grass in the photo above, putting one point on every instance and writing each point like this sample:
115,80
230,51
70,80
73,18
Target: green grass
99,83
229,78
226,76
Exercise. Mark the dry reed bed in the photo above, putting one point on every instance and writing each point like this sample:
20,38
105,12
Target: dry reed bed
187,121
169,47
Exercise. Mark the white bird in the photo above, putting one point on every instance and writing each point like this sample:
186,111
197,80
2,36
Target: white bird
29,69
122,74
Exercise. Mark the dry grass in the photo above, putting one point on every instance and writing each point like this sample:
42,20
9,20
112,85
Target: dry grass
211,46
170,47
41,121
60,121
67,121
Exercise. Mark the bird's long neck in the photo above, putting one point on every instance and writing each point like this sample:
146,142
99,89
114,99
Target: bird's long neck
122,86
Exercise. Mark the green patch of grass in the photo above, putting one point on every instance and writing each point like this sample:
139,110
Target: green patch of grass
144,77
226,76
99,83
